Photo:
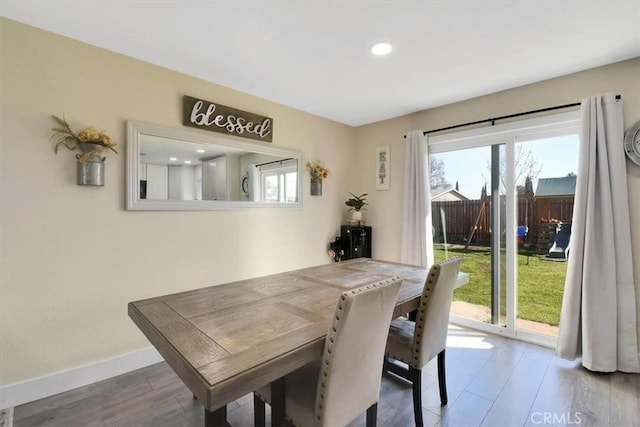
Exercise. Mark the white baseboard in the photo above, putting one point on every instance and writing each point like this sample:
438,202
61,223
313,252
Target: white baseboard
59,382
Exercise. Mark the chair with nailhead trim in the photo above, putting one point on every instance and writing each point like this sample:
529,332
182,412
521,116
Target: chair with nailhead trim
345,383
416,343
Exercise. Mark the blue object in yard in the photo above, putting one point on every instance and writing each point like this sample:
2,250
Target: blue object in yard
560,248
521,232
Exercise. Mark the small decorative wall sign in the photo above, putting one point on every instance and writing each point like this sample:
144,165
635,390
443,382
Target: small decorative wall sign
207,115
383,162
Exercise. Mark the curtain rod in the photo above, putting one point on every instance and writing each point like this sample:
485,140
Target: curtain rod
275,161
492,120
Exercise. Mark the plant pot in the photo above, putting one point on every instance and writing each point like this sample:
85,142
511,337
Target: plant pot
316,188
90,170
356,215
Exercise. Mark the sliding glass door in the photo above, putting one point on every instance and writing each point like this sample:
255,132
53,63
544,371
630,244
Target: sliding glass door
464,212
544,213
502,199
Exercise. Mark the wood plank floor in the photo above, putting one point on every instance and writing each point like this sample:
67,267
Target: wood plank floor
491,380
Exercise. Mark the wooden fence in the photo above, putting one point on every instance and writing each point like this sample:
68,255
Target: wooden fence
460,218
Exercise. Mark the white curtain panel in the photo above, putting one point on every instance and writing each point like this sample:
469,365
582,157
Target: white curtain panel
598,319
254,183
417,235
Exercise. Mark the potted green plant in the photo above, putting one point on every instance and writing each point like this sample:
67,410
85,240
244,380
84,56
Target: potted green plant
356,205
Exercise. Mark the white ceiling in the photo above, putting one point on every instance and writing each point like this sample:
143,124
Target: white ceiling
314,55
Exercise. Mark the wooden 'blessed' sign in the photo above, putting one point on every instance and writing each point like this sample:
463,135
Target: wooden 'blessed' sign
202,114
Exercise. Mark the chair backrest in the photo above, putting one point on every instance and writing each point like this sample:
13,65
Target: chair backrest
349,381
432,319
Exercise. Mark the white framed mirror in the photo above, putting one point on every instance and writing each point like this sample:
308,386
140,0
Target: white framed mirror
183,170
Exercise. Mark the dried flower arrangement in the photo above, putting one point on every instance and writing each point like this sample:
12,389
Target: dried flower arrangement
90,141
317,171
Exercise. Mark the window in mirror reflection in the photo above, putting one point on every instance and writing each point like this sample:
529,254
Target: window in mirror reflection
279,182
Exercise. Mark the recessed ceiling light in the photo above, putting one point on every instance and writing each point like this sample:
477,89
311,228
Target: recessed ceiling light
188,162
173,159
381,49
200,151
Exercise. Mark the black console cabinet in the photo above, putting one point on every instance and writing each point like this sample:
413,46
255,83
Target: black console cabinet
356,241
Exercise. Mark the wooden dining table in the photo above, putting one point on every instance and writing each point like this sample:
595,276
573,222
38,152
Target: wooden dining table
225,341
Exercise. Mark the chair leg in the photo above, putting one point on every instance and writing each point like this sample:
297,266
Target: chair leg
416,380
385,364
372,415
442,382
415,377
259,414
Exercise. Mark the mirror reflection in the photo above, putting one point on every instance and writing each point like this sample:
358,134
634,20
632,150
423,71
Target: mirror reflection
177,169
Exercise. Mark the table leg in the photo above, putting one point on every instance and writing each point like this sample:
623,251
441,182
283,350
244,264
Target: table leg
278,409
217,418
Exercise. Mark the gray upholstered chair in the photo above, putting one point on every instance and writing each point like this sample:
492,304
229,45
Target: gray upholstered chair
346,381
416,343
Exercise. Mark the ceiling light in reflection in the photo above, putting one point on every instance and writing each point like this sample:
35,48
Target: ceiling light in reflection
381,49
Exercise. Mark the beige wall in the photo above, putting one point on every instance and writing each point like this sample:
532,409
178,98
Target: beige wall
72,257
385,212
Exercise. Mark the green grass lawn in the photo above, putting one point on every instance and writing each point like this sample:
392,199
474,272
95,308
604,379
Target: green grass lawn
540,282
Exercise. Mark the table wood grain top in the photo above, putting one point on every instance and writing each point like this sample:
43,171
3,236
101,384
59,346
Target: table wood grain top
225,341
